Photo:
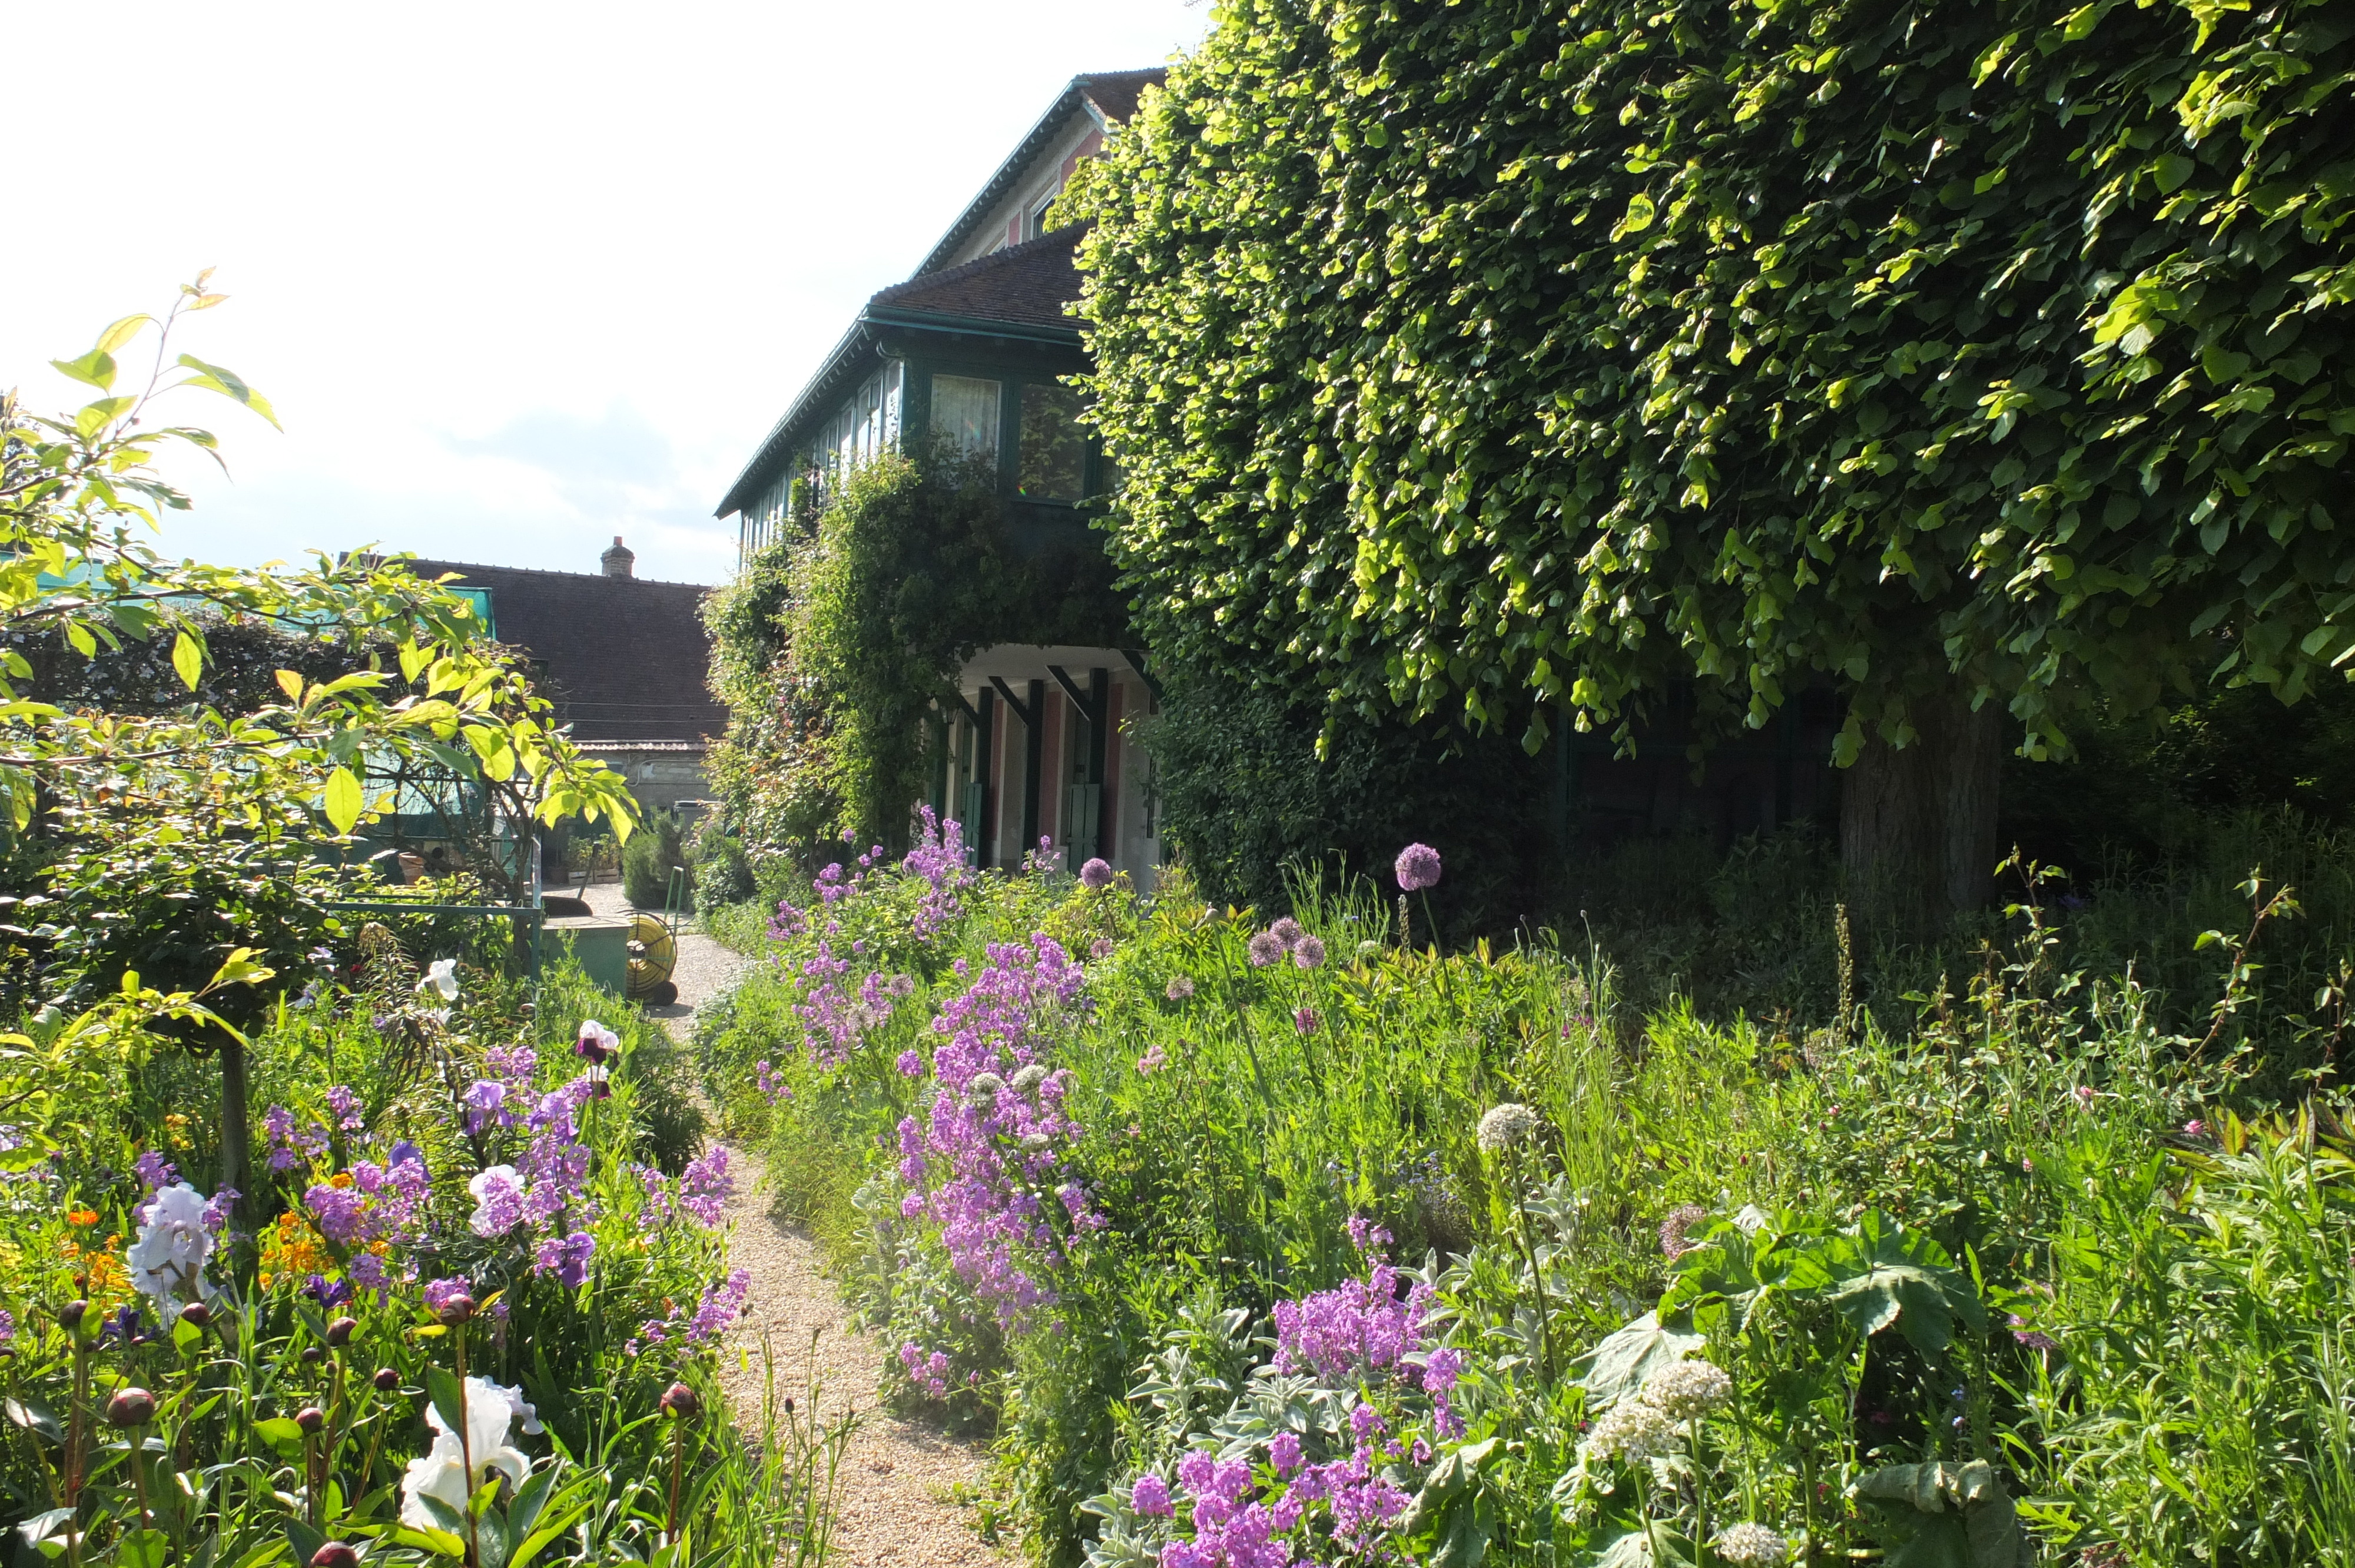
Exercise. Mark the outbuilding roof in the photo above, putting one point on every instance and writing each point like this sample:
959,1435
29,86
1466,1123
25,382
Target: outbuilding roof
625,659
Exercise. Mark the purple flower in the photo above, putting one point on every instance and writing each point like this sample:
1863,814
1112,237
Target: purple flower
1288,931
1265,948
367,1272
1304,1020
1284,1453
910,1064
440,1293
216,1209
7,1326
705,1187
566,1258
1096,874
499,1201
407,1153
482,1102
1417,868
1179,988
154,1172
345,1107
332,1293
596,1042
1675,1231
1308,952
341,1213
1101,949
2035,1339
1150,1495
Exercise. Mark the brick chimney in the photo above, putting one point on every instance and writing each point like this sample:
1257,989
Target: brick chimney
617,559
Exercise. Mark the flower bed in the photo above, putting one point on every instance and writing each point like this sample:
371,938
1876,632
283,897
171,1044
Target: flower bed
467,1310
1268,1242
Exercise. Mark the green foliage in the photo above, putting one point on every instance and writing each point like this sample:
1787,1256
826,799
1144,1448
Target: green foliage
1522,357
723,870
834,647
1249,797
647,859
1981,1281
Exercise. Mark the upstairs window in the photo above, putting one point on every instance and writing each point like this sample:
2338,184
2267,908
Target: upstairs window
1054,447
965,414
1034,222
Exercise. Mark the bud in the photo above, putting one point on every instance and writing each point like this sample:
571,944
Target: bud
385,1380
131,1407
789,1404
70,1316
339,1332
196,1315
335,1554
457,1311
313,1355
682,1402
82,1284
311,1419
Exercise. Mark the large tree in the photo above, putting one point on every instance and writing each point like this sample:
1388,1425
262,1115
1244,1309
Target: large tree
1536,358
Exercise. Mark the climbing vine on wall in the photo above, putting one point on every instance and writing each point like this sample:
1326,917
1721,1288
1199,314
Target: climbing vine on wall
836,645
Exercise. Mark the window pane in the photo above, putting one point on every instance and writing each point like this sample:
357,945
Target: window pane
964,410
1054,447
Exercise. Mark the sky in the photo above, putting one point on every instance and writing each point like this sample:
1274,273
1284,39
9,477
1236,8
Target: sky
517,278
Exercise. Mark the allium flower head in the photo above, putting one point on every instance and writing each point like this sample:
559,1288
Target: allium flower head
1751,1544
1304,1019
1101,948
1630,1429
1675,1231
1684,1391
1308,953
1096,874
1417,868
1288,931
1179,988
1265,948
1507,1125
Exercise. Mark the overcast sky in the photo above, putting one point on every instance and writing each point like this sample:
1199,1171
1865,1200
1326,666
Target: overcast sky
518,278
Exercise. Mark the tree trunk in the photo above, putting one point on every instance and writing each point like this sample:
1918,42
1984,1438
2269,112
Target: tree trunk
1918,825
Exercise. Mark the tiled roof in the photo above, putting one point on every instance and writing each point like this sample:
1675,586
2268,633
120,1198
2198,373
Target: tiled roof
627,659
1025,283
1114,92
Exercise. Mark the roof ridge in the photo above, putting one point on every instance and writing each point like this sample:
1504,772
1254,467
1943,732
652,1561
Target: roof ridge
551,572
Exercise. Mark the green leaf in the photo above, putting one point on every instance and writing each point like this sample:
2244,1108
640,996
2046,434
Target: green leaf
34,1418
1657,1548
344,803
1618,1366
120,332
188,659
490,1538
1883,1272
305,1540
280,1433
142,1548
1638,217
446,1396
1944,1515
96,368
529,1498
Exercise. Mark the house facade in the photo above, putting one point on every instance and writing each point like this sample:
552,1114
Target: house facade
972,350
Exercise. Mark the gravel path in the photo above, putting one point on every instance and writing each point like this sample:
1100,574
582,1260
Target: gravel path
901,1479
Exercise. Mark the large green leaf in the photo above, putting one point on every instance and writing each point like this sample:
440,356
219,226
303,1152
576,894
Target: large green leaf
1880,1273
1618,1366
1944,1515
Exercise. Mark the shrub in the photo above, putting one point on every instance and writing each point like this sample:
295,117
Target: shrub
647,861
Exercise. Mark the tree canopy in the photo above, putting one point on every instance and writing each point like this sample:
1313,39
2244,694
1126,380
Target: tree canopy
1530,357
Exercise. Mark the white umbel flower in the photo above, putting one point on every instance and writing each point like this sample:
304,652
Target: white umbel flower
167,1261
986,1084
441,1472
1028,1079
1506,1126
1683,1391
1750,1544
1630,1429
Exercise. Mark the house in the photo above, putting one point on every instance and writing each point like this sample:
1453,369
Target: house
972,350
626,661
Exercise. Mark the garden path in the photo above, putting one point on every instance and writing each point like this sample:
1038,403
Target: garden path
900,1477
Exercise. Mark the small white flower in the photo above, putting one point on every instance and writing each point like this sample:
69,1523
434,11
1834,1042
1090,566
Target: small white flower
442,975
987,1084
168,1258
1751,1544
1630,1429
1506,1126
1030,1078
1683,1391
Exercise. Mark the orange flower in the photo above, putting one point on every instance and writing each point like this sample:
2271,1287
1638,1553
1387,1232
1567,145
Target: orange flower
340,1179
82,1216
